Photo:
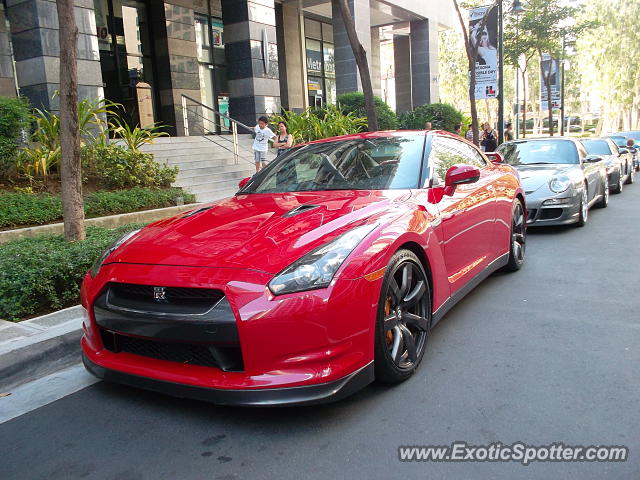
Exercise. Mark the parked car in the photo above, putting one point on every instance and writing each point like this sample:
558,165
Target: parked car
635,135
620,169
622,141
325,271
561,180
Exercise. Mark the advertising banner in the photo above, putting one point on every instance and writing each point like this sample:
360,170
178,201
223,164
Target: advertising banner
552,64
486,39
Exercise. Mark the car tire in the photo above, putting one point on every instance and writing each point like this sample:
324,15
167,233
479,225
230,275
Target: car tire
618,188
403,321
584,208
517,239
632,176
604,201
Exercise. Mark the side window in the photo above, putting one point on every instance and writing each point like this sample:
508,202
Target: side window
446,152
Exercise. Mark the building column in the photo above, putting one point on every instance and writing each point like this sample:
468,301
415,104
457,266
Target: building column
434,88
420,73
347,76
176,64
7,81
294,54
376,77
34,35
251,52
402,68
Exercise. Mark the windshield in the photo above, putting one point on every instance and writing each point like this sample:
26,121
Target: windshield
597,147
361,164
539,152
634,134
619,141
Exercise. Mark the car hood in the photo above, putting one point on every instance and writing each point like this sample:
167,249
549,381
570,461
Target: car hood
535,176
265,232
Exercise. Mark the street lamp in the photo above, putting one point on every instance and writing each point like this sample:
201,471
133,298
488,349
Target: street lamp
516,7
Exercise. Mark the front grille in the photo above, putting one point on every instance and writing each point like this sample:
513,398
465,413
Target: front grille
550,213
228,358
173,299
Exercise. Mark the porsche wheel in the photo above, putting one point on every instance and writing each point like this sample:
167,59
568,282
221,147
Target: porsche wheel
404,318
632,175
584,208
518,238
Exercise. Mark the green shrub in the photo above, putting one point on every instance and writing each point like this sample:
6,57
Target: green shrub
29,209
14,119
18,209
320,123
116,167
442,115
122,201
354,102
44,273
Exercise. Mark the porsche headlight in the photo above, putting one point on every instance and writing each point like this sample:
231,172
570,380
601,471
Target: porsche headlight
559,184
317,268
112,248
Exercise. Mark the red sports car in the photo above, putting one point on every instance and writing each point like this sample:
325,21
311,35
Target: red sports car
325,271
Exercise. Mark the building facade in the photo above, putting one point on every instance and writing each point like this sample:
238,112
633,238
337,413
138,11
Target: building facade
242,57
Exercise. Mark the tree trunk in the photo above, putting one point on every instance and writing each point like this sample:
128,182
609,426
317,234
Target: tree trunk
70,167
360,55
472,55
524,104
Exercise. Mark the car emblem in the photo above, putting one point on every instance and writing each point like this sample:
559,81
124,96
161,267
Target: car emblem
159,293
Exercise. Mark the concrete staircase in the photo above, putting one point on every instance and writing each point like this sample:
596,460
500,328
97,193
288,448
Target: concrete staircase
207,165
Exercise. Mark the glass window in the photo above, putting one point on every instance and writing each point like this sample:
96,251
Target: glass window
537,152
312,29
372,164
314,57
597,147
327,32
447,152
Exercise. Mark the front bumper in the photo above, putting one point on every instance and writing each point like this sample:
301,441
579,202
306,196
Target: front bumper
540,214
304,395
319,338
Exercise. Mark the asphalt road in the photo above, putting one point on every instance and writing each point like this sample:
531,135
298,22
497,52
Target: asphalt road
549,354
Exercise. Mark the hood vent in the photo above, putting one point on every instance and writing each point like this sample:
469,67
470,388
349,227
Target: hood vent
196,211
300,209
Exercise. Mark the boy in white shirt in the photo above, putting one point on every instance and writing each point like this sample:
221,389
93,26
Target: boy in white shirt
261,142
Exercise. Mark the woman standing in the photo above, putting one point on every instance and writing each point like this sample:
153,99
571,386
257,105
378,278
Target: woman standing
488,139
284,140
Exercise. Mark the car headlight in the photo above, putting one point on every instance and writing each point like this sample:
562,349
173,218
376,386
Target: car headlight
112,248
317,268
559,184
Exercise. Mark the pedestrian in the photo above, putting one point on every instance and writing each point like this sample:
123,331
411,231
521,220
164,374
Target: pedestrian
261,142
488,139
469,134
458,129
284,140
508,132
428,126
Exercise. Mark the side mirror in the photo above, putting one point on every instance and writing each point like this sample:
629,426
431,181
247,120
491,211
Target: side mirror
623,151
459,175
495,157
593,159
243,182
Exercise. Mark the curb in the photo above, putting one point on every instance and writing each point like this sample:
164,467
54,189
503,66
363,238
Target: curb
112,221
52,342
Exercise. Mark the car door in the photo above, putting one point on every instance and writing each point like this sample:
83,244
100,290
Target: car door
468,215
591,172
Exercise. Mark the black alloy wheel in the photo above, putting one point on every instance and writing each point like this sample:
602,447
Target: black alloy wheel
518,238
404,318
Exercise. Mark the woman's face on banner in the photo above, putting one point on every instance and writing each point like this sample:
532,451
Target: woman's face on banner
484,39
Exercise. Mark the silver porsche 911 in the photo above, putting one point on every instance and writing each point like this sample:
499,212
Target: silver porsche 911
560,179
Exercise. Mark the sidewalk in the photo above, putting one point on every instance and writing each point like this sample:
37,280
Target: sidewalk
40,346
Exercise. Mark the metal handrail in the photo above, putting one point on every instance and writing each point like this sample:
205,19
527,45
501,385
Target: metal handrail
232,122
